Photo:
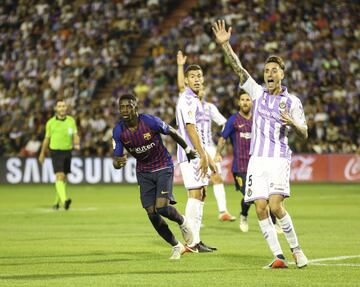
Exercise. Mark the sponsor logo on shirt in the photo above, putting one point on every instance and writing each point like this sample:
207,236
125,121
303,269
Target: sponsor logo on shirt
142,149
245,135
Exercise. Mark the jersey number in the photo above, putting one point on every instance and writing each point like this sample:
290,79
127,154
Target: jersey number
250,180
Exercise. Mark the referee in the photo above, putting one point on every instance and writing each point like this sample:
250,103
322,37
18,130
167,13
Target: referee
61,136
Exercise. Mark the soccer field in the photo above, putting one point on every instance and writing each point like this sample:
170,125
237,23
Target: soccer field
105,239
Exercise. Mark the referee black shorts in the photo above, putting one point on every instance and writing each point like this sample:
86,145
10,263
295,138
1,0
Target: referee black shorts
61,160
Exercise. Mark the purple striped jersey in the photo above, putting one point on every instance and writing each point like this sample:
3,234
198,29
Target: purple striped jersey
189,110
238,129
144,144
209,114
269,135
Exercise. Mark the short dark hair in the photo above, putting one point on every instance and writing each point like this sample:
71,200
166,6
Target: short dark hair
276,59
241,92
192,68
129,96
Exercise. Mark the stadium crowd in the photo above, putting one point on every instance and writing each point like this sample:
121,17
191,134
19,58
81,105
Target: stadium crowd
320,44
72,48
68,49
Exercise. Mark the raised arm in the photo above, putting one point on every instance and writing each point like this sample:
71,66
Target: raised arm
222,38
181,60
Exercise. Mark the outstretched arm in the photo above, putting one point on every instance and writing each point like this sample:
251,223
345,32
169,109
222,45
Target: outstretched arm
181,60
222,38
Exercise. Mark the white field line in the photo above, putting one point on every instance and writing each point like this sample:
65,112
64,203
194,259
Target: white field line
333,258
337,258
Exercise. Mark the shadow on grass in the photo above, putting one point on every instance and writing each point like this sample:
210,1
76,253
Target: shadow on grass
76,255
74,275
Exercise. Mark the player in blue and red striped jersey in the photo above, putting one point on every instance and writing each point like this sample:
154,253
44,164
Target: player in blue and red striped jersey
140,135
238,128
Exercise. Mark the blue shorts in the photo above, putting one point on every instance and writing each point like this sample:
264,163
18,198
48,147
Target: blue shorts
240,181
153,185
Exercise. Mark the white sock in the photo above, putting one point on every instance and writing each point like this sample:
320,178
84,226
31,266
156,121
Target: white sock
269,232
192,214
219,192
289,231
201,212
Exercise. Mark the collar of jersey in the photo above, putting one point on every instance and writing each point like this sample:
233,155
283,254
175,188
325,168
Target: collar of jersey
284,92
191,92
58,119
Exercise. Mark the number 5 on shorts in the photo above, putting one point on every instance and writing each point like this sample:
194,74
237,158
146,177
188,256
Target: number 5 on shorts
250,180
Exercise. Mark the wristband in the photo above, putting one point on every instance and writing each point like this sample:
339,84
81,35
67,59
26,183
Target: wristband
187,150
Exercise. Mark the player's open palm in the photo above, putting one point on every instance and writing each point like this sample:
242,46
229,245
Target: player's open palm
212,165
286,118
180,58
220,32
204,166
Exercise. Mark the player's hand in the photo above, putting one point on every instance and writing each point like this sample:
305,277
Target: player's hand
180,58
192,154
204,166
41,158
212,165
220,32
120,161
286,118
217,158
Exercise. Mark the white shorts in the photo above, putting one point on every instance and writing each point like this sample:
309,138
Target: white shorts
267,176
211,150
191,175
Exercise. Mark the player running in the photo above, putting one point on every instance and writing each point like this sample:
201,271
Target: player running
140,135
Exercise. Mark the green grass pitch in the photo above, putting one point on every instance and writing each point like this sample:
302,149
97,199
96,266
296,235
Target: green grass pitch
105,239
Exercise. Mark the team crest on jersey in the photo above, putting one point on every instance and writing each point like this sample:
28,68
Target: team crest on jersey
249,192
282,105
147,136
